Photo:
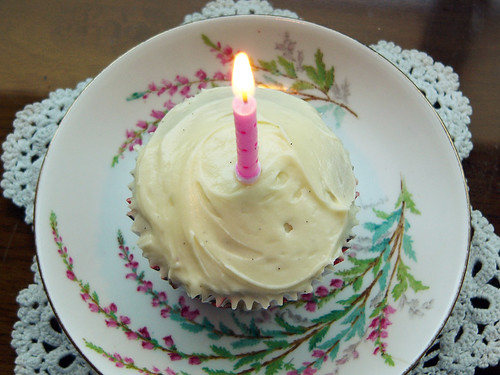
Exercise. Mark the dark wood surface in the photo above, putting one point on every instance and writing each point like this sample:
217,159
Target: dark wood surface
56,44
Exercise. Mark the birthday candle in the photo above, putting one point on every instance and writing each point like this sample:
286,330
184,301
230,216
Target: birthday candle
245,120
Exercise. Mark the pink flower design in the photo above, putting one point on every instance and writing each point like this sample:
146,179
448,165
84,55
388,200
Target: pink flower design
311,306
202,85
85,296
306,297
310,371
166,84
201,75
319,354
144,332
169,104
172,90
219,76
165,313
389,310
384,323
185,91
194,361
373,335
322,291
125,319
131,335
117,358
142,124
374,322
145,286
169,341
293,372
157,114
93,307
225,55
70,275
175,356
170,371
336,283
162,296
152,86
182,80
189,314
111,323
147,345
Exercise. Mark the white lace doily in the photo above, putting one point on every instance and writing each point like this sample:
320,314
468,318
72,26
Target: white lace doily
471,337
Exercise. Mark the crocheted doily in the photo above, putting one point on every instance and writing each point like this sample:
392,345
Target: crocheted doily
471,337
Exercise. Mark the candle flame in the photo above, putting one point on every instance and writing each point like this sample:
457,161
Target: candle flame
242,80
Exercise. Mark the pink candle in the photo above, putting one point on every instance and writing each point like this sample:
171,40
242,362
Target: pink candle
245,120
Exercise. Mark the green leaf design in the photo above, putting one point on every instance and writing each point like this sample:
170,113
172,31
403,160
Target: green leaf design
222,352
383,228
388,359
301,85
408,247
243,343
381,214
332,316
407,197
276,344
405,279
416,285
209,42
250,359
335,341
287,326
210,371
136,95
320,75
288,66
274,367
318,337
226,330
357,284
349,301
194,328
270,66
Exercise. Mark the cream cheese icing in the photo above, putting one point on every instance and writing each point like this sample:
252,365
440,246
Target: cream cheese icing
222,239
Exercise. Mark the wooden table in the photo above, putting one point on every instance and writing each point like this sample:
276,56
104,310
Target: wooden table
52,44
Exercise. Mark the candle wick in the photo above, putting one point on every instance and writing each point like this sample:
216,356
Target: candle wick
245,97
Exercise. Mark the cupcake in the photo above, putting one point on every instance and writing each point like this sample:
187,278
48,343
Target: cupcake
247,245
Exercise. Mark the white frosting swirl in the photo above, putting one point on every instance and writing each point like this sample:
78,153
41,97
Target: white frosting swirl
215,236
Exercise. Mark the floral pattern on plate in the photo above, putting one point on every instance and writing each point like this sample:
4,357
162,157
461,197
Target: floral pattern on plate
351,305
286,72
